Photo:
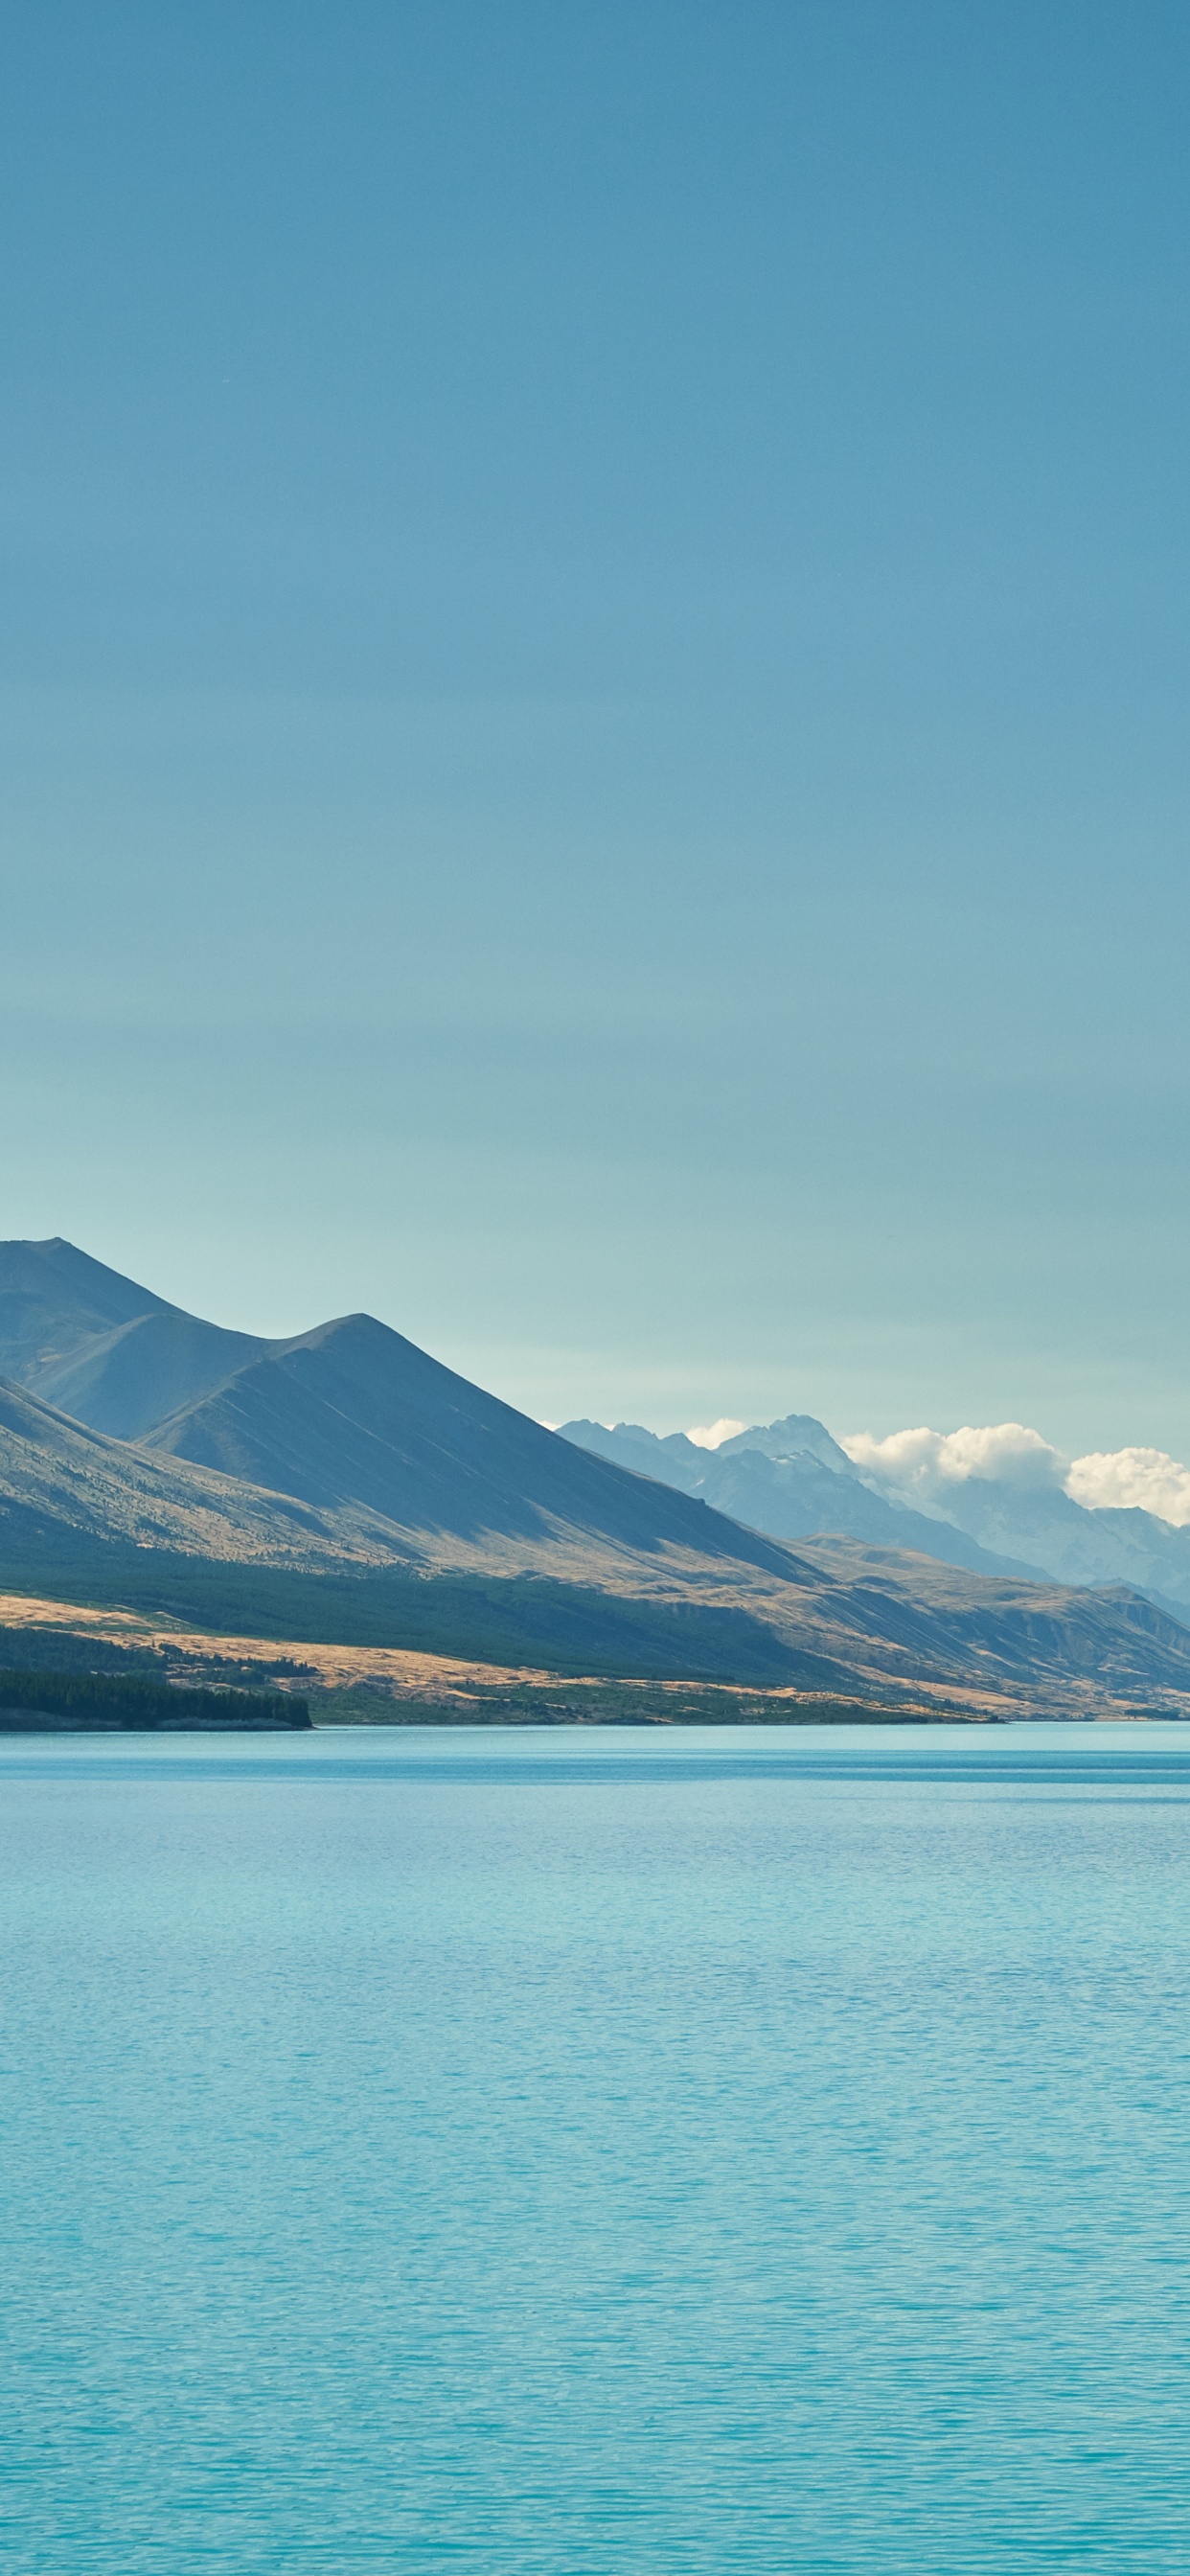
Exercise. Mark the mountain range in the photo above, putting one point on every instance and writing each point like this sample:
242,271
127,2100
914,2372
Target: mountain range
793,1480
789,1478
348,1476
347,1440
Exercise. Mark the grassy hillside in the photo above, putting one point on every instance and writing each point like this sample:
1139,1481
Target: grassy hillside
861,1622
561,1627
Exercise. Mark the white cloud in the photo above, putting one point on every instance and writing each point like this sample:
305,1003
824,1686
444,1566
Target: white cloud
1124,1479
710,1435
921,1464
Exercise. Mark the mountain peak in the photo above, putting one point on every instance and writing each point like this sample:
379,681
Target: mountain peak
796,1435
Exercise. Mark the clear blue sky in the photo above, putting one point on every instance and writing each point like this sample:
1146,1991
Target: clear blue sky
595,638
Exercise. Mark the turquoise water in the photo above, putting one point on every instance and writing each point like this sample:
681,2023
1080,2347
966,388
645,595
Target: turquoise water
733,2151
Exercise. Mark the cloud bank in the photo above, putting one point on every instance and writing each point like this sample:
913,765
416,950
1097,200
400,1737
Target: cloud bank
923,1463
709,1435
1128,1479
922,1466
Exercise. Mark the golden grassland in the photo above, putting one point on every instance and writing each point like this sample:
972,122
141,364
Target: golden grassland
389,1685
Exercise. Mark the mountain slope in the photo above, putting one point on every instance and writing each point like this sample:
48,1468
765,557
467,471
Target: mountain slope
354,1413
126,1381
349,1418
346,1460
84,1517
1047,1640
58,1476
1071,1544
100,1347
54,1300
790,1494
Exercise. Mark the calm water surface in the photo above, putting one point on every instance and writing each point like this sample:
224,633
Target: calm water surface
548,2153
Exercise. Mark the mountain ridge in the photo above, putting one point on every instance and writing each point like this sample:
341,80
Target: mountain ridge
345,1460
98,1346
989,1525
792,1496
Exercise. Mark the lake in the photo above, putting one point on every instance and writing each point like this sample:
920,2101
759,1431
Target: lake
547,2153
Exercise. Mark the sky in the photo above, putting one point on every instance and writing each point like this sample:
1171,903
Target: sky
593,658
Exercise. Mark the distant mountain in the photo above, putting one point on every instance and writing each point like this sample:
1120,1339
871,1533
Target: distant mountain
791,1479
793,1492
1070,1543
797,1435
